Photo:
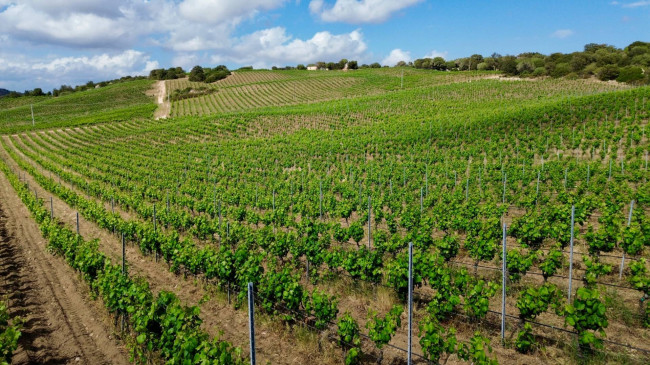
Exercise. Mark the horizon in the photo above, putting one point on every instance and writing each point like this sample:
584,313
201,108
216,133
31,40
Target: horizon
130,37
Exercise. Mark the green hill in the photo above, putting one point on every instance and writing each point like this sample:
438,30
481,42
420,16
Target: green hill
116,102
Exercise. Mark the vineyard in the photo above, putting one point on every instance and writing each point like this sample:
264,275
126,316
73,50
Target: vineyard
247,90
119,102
318,187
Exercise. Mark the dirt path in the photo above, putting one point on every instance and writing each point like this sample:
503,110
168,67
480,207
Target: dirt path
160,92
60,325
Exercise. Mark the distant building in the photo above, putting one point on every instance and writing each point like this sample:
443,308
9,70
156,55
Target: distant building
312,68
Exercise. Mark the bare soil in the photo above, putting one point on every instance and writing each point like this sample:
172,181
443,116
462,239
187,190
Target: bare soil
274,343
61,326
160,92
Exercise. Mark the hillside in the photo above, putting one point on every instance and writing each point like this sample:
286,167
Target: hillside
117,102
313,186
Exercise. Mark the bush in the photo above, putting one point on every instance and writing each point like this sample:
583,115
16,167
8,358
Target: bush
539,71
630,74
561,69
607,72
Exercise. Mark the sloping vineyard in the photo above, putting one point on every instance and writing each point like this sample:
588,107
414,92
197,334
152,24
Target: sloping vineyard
317,205
260,89
119,102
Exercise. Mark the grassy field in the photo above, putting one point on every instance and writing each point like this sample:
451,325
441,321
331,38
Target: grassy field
312,185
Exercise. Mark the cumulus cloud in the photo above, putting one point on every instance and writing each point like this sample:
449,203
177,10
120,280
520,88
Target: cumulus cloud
73,70
218,11
183,26
73,28
562,33
359,11
395,56
274,46
102,37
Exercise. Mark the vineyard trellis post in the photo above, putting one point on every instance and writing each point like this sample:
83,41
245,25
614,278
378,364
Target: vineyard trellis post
369,218
77,223
154,230
410,304
505,178
566,174
123,254
573,213
609,176
503,286
537,188
123,273
421,201
629,221
251,321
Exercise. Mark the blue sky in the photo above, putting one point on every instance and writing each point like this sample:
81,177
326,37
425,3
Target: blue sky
46,43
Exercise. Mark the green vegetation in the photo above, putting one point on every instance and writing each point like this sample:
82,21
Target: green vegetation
122,101
9,334
160,324
260,192
600,60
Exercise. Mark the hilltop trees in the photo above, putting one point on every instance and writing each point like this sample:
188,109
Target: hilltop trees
168,74
197,74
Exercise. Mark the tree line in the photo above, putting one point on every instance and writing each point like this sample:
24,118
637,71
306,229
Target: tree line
67,89
606,62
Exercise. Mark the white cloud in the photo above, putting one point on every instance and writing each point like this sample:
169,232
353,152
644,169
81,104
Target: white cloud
274,46
189,25
636,4
218,11
97,39
73,70
395,56
77,29
359,11
434,54
562,33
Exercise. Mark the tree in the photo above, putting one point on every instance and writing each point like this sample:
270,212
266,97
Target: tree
197,74
400,64
375,65
438,63
342,63
353,65
37,92
509,65
474,60
301,67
